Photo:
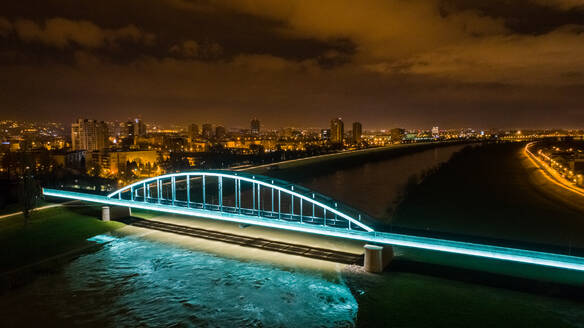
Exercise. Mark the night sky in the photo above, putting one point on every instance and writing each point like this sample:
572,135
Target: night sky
409,63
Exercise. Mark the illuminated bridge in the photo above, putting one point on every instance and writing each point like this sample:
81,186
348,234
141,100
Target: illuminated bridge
263,201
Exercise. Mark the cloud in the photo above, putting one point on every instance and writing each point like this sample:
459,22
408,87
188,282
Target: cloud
382,29
188,48
280,91
5,26
193,49
420,38
555,58
562,4
191,5
255,64
61,32
386,63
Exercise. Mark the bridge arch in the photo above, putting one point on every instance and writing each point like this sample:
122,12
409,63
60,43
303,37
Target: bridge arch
231,191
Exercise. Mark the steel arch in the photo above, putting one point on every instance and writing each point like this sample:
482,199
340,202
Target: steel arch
327,205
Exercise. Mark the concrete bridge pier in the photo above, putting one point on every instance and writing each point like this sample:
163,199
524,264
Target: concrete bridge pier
105,213
115,212
377,257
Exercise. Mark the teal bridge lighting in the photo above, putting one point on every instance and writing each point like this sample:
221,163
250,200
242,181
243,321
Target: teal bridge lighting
263,201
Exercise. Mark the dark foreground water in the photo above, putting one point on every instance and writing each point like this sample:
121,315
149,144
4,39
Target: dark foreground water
134,282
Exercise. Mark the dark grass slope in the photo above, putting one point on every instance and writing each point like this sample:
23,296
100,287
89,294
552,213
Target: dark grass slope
487,193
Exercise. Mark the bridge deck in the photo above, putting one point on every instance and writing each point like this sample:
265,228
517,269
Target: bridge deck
384,238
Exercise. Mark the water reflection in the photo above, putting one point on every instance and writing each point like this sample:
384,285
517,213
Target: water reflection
374,186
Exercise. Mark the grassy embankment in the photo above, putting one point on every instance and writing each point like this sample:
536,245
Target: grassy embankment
492,192
50,232
488,194
410,300
17,207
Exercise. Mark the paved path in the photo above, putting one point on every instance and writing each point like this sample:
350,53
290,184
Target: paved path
36,209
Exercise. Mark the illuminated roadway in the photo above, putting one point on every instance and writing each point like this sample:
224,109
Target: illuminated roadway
551,174
333,219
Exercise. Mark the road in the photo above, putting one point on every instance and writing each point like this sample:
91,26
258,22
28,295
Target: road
551,174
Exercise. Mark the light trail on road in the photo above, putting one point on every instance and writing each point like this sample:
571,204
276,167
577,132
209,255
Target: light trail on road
550,174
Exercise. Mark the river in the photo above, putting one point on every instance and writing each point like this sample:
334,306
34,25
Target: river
133,280
374,186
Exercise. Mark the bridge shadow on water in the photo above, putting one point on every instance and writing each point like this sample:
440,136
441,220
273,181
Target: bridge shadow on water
245,241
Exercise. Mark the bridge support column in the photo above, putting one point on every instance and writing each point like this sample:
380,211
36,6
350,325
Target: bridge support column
115,212
377,257
105,213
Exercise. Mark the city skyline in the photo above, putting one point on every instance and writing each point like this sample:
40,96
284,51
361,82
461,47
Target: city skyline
452,63
244,126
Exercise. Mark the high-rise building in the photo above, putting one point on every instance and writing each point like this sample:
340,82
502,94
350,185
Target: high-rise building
337,130
130,129
121,130
115,129
89,135
207,130
134,129
193,131
141,128
220,132
357,132
325,134
255,126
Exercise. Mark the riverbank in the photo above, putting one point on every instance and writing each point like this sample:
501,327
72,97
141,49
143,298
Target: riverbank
297,169
49,234
487,192
404,299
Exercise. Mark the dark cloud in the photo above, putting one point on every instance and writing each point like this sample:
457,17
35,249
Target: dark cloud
386,63
524,16
61,32
192,49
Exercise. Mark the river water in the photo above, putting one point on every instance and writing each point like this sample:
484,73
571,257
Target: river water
133,281
374,186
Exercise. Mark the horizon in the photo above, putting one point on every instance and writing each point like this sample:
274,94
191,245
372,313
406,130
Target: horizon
67,125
